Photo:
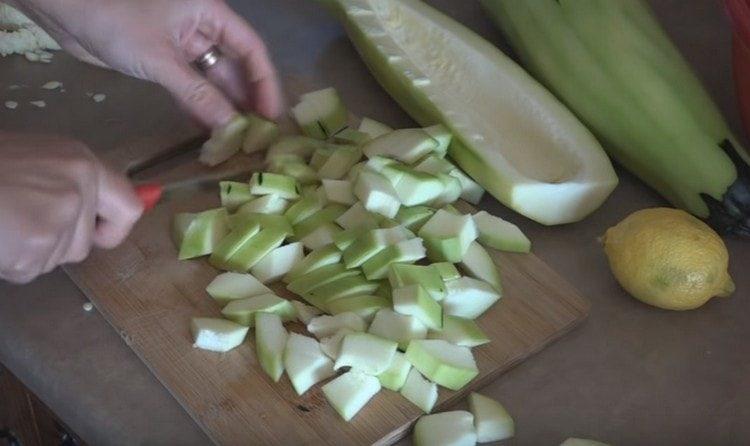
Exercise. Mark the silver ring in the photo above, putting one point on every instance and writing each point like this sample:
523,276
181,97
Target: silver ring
208,59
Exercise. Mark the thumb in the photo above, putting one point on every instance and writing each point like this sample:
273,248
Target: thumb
200,97
118,209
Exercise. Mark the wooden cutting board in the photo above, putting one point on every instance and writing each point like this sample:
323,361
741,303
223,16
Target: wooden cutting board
149,297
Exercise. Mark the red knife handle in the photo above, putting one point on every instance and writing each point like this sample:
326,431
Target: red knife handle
149,194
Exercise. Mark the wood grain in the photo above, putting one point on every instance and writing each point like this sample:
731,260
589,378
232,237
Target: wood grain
149,297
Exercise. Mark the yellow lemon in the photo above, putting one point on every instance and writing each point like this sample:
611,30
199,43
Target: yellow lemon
668,258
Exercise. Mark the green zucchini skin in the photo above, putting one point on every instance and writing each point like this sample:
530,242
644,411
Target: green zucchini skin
613,65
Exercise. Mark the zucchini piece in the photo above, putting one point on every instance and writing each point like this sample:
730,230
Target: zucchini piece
366,352
260,133
317,258
470,190
394,377
407,251
399,328
331,345
447,236
447,271
428,277
350,136
326,215
451,190
455,428
224,141
446,364
242,311
325,326
233,194
270,342
320,114
413,187
460,331
648,105
510,134
373,128
265,183
240,251
304,174
496,233
322,236
419,391
266,204
414,217
407,145
278,262
345,238
372,243
376,193
199,234
413,300
305,313
298,145
305,363
442,135
320,156
492,421
340,161
306,207
216,335
364,306
469,298
349,393
478,264
341,288
319,277
230,286
339,191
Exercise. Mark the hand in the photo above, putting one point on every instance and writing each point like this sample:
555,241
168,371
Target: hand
157,40
56,201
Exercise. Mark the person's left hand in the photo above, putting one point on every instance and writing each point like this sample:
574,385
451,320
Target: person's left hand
157,40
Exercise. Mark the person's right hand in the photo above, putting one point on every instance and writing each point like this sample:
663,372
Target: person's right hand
56,202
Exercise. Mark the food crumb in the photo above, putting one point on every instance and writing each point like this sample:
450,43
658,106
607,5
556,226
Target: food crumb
11,105
31,57
88,306
99,97
14,87
52,85
40,104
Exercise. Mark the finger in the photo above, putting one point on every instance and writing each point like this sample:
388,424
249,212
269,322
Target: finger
200,97
237,36
82,238
118,208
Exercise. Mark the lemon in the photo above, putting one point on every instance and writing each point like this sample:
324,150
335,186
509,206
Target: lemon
668,258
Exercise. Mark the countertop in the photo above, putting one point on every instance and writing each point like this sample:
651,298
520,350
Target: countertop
630,375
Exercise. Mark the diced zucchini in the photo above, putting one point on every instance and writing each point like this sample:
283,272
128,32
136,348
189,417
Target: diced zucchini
270,342
241,253
478,264
460,331
320,114
451,190
265,183
266,204
301,146
471,191
349,393
320,156
413,187
216,335
345,238
339,191
232,243
230,286
351,136
413,300
447,236
322,236
397,327
364,306
242,311
366,352
305,363
491,420
317,258
407,251
304,174
340,288
319,277
341,160
494,232
394,377
446,364
357,217
224,141
233,194
306,207
378,163
260,133
199,234
305,313
325,326
469,298
428,277
372,243
455,428
414,217
278,262
407,145
442,135
326,215
419,391
376,193
434,164
373,128
447,271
